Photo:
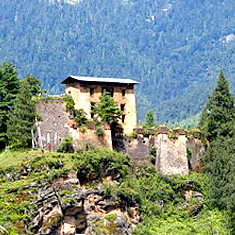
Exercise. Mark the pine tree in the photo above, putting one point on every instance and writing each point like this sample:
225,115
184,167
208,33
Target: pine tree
219,113
22,117
9,87
107,109
149,120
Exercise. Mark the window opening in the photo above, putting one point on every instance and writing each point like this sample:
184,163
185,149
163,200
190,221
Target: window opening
92,91
108,89
123,118
122,107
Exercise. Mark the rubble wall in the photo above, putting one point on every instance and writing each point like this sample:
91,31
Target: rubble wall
55,124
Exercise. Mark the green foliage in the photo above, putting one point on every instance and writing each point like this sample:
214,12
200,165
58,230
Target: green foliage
189,151
133,135
161,199
107,109
67,145
98,163
78,115
23,115
69,104
174,81
219,161
209,222
9,86
149,119
99,130
83,128
111,217
218,116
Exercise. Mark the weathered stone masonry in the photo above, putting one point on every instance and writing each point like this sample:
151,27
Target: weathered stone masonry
171,153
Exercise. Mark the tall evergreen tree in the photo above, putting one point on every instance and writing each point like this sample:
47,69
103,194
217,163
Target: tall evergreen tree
218,115
107,109
9,87
149,119
23,115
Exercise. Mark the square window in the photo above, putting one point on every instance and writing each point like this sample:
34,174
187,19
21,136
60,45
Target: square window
108,90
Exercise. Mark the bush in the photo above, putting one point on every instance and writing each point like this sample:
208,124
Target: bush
98,163
99,131
67,145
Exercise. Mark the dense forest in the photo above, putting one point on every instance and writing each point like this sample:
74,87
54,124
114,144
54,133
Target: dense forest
175,49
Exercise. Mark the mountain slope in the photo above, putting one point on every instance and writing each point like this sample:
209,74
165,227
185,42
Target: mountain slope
175,49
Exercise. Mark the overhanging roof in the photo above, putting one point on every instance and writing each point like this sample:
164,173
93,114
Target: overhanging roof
72,78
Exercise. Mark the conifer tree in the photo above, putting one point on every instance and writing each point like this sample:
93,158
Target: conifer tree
218,115
9,87
149,120
107,109
23,115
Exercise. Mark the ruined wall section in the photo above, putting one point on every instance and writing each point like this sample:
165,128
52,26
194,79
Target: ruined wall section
138,149
55,124
171,155
89,138
170,148
197,149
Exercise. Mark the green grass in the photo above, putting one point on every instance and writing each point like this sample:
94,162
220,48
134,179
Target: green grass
143,186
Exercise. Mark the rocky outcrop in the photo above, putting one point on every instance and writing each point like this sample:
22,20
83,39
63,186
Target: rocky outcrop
64,207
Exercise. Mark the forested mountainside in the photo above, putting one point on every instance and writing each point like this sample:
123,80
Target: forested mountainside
174,48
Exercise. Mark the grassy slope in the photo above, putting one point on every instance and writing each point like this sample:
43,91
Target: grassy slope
143,186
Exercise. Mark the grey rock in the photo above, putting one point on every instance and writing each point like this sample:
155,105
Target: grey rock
89,208
92,218
197,195
121,222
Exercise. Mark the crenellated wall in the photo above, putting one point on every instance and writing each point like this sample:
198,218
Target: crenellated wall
170,147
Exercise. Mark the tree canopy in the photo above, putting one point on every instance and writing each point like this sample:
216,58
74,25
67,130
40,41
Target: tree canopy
217,124
107,109
23,114
219,113
149,119
9,87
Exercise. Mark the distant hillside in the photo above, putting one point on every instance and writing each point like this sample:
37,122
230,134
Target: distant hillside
175,49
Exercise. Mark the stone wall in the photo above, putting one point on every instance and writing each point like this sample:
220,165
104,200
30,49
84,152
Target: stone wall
171,150
138,148
171,155
55,124
196,149
170,147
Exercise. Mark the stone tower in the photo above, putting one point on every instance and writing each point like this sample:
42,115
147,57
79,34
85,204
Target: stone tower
87,90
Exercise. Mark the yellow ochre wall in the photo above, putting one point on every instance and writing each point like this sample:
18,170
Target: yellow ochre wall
81,95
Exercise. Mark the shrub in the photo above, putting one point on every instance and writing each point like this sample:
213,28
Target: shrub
98,163
99,131
67,145
83,128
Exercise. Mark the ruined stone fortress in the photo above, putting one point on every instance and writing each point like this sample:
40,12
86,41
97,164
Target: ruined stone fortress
56,123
